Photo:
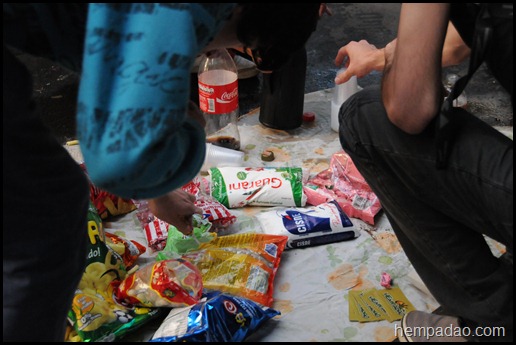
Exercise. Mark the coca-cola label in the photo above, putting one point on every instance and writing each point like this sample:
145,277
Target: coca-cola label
218,99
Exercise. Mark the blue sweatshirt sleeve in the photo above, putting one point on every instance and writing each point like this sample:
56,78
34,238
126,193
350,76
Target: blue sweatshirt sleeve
132,124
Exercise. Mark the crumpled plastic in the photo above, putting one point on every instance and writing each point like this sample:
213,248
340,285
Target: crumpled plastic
343,183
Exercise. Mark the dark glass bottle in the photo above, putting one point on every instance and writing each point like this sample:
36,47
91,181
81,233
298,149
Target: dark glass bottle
283,94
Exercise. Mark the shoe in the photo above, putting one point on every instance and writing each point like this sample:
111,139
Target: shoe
417,326
245,68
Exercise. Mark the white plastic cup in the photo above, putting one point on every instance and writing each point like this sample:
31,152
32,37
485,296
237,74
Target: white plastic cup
217,156
340,94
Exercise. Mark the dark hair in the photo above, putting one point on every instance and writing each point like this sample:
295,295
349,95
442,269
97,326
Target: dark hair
275,31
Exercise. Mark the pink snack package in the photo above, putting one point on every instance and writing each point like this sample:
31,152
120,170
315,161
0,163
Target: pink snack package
343,183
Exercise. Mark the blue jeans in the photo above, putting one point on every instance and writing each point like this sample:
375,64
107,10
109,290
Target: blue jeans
440,216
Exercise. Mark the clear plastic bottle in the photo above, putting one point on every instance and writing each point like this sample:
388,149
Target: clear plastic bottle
218,98
449,81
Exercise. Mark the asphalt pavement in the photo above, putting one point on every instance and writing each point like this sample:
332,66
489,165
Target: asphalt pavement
55,88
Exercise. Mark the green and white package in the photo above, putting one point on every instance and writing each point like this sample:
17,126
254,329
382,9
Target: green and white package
238,187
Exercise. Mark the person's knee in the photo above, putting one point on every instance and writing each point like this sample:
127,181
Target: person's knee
357,115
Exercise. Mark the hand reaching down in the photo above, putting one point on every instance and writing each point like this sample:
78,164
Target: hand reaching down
176,208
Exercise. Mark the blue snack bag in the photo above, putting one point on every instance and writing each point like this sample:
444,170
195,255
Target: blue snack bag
218,317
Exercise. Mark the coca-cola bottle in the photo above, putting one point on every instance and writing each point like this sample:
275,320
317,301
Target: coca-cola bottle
218,98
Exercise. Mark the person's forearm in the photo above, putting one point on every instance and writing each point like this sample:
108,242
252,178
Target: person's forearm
455,50
411,83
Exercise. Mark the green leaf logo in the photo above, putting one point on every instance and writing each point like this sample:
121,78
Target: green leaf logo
241,175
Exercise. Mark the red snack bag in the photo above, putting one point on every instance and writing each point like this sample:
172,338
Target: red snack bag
156,233
129,250
216,213
167,283
108,204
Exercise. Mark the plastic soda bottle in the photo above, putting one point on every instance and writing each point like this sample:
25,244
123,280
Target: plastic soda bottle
218,98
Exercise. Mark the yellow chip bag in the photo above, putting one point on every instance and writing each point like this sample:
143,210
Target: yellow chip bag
242,264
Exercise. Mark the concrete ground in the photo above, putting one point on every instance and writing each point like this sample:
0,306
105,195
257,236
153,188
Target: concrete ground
55,88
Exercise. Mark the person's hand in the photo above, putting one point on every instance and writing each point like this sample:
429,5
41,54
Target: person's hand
176,208
388,52
195,113
360,59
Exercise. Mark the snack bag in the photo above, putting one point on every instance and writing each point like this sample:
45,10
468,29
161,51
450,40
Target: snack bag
108,204
168,283
343,183
243,265
216,213
179,243
218,317
156,233
95,315
129,250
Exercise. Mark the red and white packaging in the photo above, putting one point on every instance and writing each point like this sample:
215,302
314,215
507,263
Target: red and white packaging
216,213
343,183
156,233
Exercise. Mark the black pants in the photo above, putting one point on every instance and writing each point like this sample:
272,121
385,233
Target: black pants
45,209
440,216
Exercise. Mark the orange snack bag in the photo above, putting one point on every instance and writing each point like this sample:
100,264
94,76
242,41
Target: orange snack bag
243,265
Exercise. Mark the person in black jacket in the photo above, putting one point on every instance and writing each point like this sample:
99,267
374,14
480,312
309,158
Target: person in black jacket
440,216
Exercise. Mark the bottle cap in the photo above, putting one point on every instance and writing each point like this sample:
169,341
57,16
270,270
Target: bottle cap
309,116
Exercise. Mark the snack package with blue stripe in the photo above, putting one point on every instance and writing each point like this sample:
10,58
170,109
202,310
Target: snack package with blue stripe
218,317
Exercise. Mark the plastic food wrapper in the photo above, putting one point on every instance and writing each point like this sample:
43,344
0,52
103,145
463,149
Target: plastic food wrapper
154,229
243,265
156,233
143,212
179,243
167,283
309,226
95,314
218,215
218,317
343,183
108,204
129,250
238,187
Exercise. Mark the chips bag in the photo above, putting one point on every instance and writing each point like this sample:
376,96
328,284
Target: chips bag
95,314
218,317
243,265
108,204
167,283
